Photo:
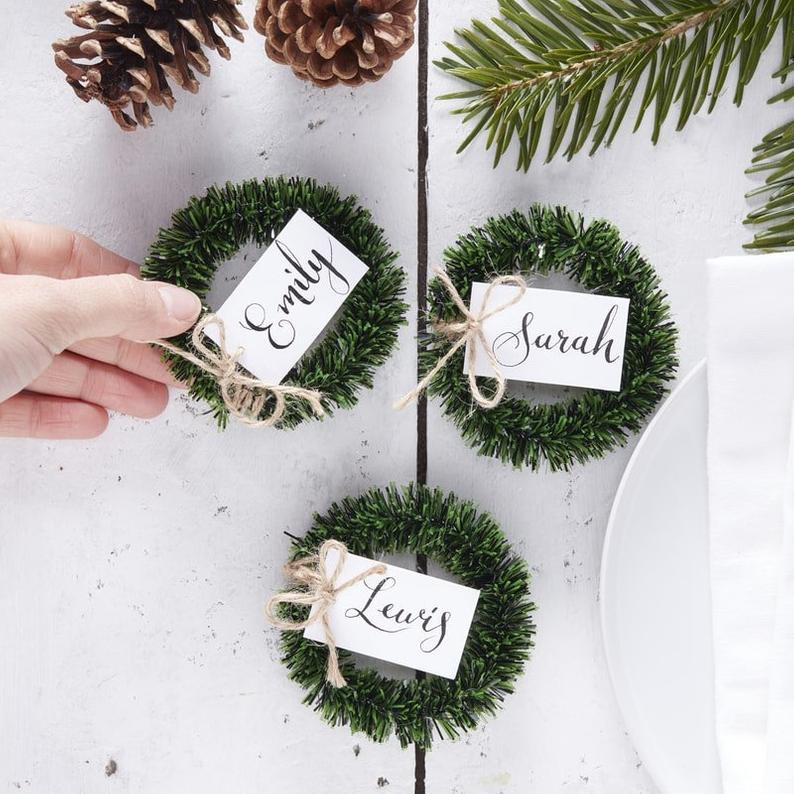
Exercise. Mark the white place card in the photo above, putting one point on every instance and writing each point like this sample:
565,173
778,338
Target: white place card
554,336
400,616
287,298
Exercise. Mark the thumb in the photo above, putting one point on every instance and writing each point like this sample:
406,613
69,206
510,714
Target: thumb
119,305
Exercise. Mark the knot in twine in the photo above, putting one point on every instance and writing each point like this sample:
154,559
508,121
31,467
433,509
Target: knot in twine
243,395
321,590
469,329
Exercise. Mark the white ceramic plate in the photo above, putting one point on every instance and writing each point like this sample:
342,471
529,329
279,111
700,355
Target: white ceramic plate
655,600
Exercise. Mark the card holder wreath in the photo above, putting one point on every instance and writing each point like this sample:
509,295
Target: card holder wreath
253,359
619,340
472,637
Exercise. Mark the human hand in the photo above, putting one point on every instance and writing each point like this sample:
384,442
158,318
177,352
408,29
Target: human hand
72,319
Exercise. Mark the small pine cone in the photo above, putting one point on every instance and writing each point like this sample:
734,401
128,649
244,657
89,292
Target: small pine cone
336,41
135,46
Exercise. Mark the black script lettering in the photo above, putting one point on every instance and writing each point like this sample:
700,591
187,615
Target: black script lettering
295,292
312,279
333,272
292,294
296,282
392,614
385,584
544,341
519,341
580,344
401,616
600,343
260,327
426,645
289,297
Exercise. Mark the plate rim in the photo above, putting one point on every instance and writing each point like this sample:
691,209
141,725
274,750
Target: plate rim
648,759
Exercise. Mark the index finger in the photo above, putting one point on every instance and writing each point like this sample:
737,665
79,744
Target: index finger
34,249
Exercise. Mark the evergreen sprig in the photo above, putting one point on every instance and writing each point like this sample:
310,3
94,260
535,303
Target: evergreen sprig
212,228
470,546
539,242
774,157
575,66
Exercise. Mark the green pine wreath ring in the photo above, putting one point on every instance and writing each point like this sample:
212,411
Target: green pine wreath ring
469,545
538,242
212,228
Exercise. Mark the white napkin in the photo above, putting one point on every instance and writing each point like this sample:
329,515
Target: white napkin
751,392
780,730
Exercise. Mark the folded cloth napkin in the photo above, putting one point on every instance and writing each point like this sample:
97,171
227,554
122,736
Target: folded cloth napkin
780,729
751,392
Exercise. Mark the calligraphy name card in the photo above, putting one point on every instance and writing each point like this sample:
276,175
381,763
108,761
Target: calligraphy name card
287,298
553,336
400,616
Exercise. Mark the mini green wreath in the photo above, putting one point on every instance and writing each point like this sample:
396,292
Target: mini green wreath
467,544
211,229
539,242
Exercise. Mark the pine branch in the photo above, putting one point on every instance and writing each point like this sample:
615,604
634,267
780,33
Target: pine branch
774,156
581,62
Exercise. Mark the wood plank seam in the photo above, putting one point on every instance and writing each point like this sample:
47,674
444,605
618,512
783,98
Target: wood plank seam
421,298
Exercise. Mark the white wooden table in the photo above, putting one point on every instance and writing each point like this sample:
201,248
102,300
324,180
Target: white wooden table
133,569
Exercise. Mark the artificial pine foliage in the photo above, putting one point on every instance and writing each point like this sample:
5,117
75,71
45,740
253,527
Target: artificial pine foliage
774,158
212,228
775,155
336,41
469,545
135,47
574,66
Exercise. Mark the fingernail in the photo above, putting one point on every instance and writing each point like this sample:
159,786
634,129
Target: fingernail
181,304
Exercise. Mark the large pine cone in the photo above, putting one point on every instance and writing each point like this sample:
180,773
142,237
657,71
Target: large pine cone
336,41
135,46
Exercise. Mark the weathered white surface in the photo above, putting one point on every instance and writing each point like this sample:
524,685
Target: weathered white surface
133,569
681,201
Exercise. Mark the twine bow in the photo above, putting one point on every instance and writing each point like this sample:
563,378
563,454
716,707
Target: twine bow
469,329
244,396
320,591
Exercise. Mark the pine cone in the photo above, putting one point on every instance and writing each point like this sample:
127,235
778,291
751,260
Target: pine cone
336,41
139,45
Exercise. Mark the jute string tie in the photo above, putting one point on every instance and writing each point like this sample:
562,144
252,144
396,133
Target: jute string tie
470,329
320,589
243,395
